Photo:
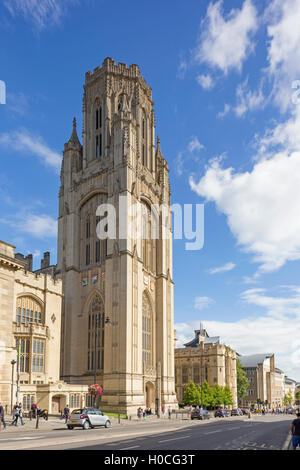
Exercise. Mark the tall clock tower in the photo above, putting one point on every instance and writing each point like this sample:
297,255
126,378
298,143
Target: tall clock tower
118,313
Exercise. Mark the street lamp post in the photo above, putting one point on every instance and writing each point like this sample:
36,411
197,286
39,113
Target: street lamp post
13,362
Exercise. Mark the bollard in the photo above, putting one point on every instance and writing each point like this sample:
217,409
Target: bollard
119,418
37,422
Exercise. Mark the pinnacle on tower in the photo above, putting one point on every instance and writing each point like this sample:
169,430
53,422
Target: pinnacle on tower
74,137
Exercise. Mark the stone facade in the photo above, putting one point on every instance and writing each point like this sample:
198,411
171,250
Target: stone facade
118,293
266,382
31,317
204,358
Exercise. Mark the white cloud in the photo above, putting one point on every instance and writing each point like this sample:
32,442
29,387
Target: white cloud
262,206
205,81
23,141
182,68
283,48
202,303
193,147
225,111
41,13
225,43
222,269
276,329
39,226
17,103
248,100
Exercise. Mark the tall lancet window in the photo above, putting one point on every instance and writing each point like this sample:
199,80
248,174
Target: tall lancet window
98,131
144,140
147,331
96,334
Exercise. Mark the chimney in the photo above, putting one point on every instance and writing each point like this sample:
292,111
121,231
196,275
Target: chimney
45,262
28,260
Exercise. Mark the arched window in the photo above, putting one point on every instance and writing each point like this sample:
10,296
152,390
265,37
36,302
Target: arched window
96,334
147,331
29,310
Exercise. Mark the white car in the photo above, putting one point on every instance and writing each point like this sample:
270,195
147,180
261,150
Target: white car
88,418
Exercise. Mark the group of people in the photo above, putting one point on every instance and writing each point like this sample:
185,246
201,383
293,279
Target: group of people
17,414
148,412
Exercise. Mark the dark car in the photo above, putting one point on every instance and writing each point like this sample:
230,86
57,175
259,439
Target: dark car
220,414
200,414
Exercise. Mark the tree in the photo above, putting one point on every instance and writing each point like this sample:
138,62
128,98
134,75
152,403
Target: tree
228,398
242,381
218,395
191,394
207,395
288,398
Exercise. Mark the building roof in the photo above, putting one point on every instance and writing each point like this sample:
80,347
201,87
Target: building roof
201,335
254,359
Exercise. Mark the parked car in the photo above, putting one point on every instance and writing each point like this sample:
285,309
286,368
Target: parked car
220,414
245,411
88,418
226,413
236,412
200,414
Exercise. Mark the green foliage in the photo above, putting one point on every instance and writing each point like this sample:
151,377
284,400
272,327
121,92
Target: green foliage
288,398
227,396
218,395
207,395
242,381
190,395
297,396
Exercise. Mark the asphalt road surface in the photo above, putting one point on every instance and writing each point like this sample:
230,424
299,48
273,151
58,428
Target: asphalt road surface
259,433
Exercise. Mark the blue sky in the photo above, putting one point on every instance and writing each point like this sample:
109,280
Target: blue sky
229,120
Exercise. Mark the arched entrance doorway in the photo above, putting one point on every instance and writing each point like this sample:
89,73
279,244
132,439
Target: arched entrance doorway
58,403
150,396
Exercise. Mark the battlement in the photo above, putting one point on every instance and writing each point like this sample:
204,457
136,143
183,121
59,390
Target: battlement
40,281
109,66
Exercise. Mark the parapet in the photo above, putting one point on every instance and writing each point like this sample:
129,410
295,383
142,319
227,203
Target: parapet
109,66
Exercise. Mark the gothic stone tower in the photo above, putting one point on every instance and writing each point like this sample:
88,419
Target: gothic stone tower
120,288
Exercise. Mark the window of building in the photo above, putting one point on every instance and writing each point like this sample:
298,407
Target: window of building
29,310
38,355
147,331
23,349
87,254
75,400
96,334
196,375
185,375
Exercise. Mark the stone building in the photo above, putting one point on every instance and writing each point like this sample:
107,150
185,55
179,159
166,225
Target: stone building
30,330
117,317
290,387
205,359
266,382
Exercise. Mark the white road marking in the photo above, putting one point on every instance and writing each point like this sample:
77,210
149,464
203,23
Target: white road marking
175,439
235,427
127,448
22,438
213,432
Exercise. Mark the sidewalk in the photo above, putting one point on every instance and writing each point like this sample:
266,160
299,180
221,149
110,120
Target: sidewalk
58,423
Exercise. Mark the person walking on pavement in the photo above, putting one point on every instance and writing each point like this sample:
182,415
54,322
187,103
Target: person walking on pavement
295,430
21,414
15,414
169,412
2,419
66,413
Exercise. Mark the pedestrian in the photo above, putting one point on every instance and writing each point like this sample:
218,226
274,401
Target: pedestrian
169,412
34,410
21,413
140,413
66,413
15,414
144,415
163,411
295,430
2,419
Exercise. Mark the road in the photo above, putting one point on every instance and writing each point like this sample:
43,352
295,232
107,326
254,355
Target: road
235,433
